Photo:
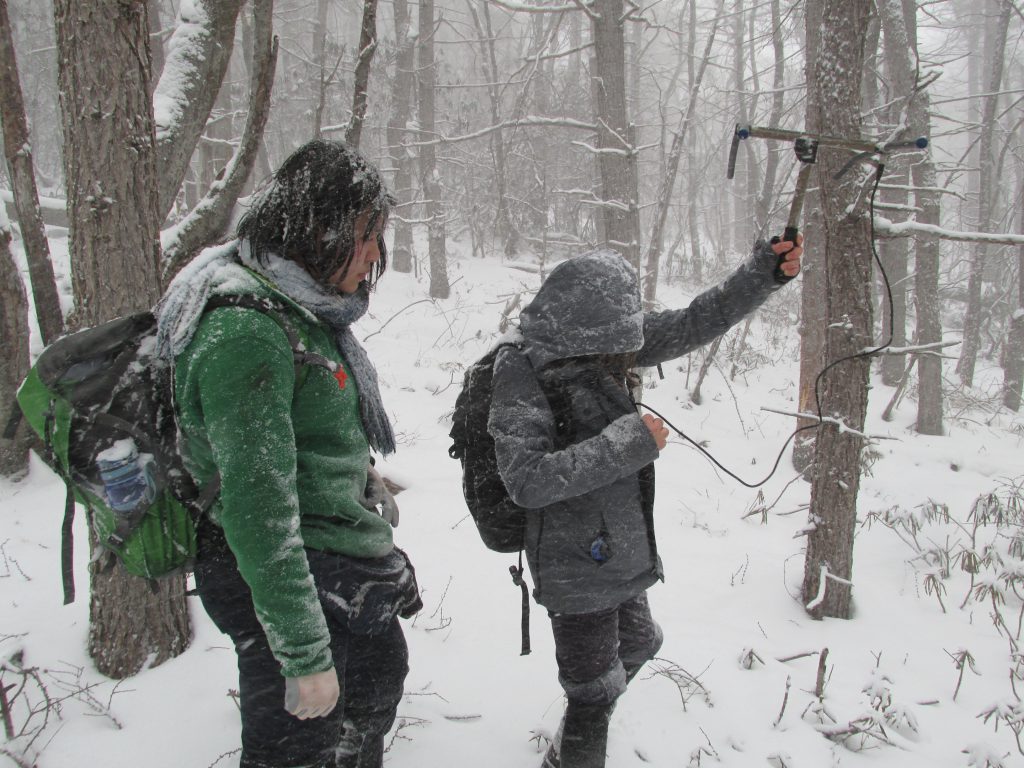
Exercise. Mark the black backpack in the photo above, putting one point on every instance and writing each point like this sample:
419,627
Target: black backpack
103,403
500,522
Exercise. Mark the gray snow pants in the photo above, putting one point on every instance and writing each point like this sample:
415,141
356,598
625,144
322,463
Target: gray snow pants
598,654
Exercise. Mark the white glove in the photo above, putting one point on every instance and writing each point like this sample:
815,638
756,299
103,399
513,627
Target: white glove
376,494
313,695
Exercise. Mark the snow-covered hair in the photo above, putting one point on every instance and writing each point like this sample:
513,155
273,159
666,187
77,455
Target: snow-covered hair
307,211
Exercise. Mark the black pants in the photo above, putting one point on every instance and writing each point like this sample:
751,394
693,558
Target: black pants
371,672
598,654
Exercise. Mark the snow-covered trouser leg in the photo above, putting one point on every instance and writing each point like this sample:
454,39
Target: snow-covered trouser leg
371,693
597,654
371,672
640,636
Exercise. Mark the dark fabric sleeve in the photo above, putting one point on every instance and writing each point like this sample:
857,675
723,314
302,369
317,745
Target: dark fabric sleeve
673,333
523,428
246,377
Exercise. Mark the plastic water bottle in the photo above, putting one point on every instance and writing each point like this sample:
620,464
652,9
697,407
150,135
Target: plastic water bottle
127,477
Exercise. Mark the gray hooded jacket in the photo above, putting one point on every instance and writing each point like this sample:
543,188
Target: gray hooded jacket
589,475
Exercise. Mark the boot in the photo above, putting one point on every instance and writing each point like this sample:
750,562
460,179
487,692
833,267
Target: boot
585,736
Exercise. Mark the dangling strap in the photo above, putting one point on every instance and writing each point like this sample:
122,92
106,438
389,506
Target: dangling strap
519,581
67,547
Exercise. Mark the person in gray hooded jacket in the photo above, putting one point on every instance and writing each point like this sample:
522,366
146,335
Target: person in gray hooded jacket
572,448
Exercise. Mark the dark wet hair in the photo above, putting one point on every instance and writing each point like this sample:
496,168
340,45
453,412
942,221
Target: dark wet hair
307,211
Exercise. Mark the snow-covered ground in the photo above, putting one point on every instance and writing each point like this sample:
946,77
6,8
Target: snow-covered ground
735,681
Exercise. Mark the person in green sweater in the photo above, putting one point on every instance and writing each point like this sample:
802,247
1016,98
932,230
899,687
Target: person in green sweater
296,560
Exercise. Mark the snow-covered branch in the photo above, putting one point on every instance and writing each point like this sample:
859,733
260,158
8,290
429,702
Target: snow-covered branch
822,581
917,349
517,7
887,228
842,426
523,122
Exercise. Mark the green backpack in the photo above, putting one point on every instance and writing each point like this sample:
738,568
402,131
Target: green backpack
102,401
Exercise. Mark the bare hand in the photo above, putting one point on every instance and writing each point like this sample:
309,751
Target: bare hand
377,498
658,430
790,265
313,695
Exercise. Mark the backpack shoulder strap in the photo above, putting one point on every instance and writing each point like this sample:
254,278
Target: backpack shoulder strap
301,356
275,310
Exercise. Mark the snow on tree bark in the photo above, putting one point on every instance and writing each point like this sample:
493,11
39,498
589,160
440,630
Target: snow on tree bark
197,59
836,80
367,46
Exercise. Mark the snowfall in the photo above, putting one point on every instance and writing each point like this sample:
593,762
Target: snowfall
925,674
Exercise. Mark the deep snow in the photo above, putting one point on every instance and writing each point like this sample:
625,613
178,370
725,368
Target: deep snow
730,600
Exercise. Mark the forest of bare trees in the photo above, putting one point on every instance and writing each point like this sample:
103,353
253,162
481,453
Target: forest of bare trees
529,130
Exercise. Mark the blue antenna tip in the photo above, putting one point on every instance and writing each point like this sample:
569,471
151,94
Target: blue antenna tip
743,133
921,142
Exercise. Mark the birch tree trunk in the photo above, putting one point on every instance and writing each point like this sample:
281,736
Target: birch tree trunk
113,205
836,80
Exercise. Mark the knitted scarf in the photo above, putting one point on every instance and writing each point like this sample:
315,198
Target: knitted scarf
220,270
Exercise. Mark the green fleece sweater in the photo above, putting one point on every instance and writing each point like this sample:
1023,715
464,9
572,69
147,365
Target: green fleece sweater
292,456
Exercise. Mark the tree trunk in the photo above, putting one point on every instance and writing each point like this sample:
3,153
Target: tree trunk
14,434
401,157
113,205
743,182
987,179
18,152
197,59
367,47
503,219
812,273
212,215
836,81
901,30
893,253
762,207
1013,362
616,160
322,67
668,182
1013,354
156,45
430,178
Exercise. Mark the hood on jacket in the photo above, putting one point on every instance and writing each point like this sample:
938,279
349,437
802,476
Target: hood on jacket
588,305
